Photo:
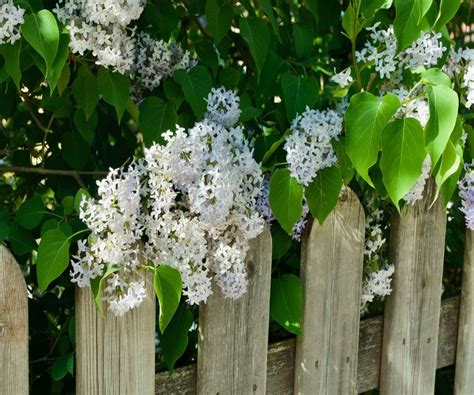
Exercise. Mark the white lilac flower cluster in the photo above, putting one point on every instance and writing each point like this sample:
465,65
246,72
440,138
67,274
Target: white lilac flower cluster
190,204
466,192
416,192
102,27
459,65
381,49
377,272
461,62
156,60
11,18
308,148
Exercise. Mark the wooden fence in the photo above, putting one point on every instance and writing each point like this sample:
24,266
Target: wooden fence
338,354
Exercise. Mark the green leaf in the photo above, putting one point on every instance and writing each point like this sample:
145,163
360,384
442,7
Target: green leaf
443,102
365,119
68,205
267,8
281,242
22,241
409,21
286,302
97,287
249,112
75,151
286,199
115,89
54,224
84,90
196,85
86,127
173,92
303,39
61,366
53,257
156,117
167,285
42,33
447,10
323,192
435,77
450,163
351,23
78,198
402,156
450,185
64,78
219,18
368,8
298,93
257,36
30,213
59,61
174,339
11,54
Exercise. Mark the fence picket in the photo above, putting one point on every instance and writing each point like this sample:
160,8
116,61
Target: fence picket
331,271
115,355
464,382
412,312
13,326
233,334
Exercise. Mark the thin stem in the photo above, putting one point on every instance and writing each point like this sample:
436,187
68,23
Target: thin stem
52,172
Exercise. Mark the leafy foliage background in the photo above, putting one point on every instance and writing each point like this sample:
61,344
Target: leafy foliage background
278,54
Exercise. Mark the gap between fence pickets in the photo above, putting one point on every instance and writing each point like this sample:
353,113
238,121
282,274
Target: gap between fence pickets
281,357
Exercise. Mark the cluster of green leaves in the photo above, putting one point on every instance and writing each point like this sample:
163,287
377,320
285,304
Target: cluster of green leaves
68,121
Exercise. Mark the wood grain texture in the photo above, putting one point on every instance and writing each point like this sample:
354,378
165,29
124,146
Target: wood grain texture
115,355
281,358
233,334
412,311
464,382
331,273
13,327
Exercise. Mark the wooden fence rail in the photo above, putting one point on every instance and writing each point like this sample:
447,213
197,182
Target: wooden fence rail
338,354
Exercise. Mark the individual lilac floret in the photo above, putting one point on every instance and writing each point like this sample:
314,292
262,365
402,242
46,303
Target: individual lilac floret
466,192
343,78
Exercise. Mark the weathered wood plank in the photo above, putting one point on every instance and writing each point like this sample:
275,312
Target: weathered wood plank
115,355
412,311
233,334
13,326
464,382
281,358
331,272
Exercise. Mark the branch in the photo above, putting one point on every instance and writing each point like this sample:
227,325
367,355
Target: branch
51,172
